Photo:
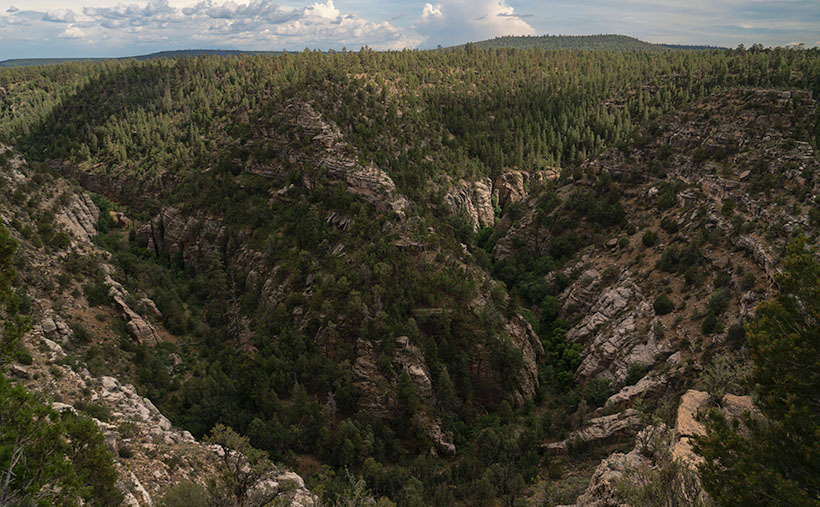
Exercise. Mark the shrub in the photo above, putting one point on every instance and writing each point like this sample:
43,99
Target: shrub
667,199
96,293
709,324
736,335
663,305
81,334
51,458
184,494
669,225
649,239
635,372
719,301
722,376
722,279
748,281
96,411
597,392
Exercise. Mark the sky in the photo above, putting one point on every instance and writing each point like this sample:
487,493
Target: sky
107,28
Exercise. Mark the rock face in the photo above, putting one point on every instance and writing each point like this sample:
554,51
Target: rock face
178,236
654,445
474,199
55,328
368,182
650,385
364,180
138,327
378,391
611,329
79,218
516,185
687,425
525,340
602,486
600,431
158,454
166,232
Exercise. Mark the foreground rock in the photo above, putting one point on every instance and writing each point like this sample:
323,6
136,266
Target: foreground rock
661,450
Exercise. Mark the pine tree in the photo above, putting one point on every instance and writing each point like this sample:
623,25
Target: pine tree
775,459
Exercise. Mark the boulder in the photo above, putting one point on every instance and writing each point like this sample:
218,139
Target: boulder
687,425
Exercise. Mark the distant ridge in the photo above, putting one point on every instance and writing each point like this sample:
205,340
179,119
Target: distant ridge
25,62
603,42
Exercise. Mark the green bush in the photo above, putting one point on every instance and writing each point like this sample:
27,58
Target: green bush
649,239
94,410
736,336
669,225
663,305
719,301
635,372
49,458
723,376
184,494
597,392
667,200
748,281
709,324
96,293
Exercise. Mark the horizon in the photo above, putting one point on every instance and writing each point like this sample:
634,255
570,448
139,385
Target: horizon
108,29
249,51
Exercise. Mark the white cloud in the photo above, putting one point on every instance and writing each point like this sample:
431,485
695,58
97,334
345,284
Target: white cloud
450,22
157,25
326,11
60,16
72,32
431,11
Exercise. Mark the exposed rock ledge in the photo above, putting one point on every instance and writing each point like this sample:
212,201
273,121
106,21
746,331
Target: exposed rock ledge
659,442
158,455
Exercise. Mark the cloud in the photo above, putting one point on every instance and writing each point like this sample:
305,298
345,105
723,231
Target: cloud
451,22
431,11
12,9
60,16
719,22
326,11
157,25
72,32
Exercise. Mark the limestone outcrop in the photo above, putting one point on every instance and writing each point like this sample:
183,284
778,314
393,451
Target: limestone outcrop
474,199
614,328
532,352
150,453
79,218
379,392
139,328
602,430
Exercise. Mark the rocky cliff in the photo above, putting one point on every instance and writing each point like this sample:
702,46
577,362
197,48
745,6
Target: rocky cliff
150,453
709,197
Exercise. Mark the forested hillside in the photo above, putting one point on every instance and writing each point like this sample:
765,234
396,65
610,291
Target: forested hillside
461,276
181,53
609,42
